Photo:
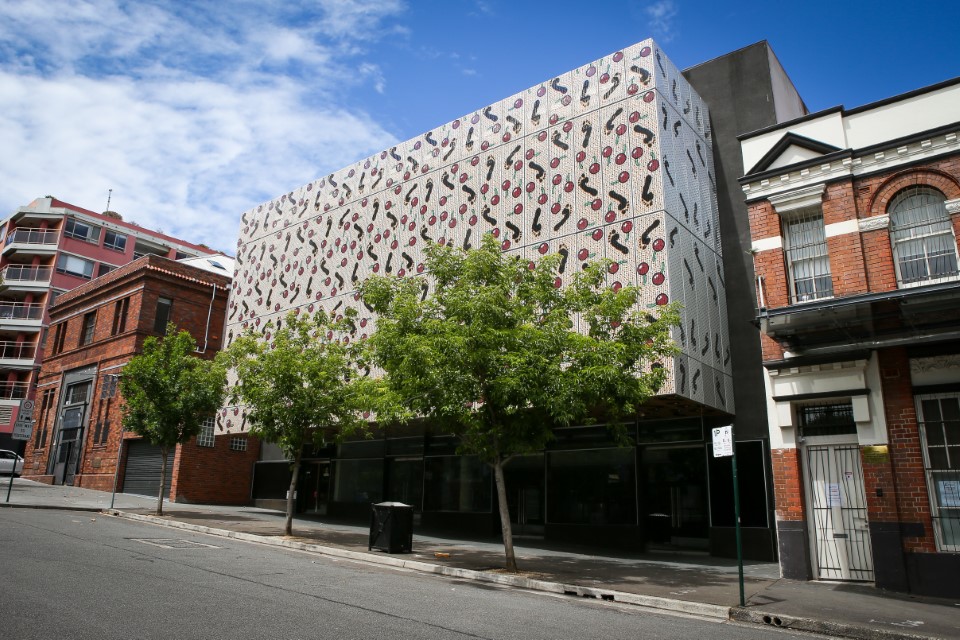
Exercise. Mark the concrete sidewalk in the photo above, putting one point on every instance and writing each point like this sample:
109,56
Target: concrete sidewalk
690,583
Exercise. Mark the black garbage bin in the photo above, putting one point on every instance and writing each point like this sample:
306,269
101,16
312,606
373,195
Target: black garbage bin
391,527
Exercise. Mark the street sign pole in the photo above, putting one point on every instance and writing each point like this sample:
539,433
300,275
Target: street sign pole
724,446
736,512
22,430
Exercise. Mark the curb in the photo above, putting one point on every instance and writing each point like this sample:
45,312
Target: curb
823,627
651,602
51,507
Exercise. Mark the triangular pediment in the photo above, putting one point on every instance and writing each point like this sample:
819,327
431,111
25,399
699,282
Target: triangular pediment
792,149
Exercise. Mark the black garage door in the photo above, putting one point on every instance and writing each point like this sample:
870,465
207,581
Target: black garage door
142,475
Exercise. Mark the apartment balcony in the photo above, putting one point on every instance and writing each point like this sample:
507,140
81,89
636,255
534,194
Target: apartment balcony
12,393
21,316
31,241
17,355
26,278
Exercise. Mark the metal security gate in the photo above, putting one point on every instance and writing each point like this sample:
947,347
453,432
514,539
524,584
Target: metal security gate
838,513
142,472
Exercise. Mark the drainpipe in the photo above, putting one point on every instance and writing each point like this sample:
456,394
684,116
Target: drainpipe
206,331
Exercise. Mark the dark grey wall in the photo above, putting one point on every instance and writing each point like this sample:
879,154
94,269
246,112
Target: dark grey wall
743,90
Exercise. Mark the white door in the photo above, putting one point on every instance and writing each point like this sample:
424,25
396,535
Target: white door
837,512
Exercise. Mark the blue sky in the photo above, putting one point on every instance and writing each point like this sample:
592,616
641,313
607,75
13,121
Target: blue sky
194,111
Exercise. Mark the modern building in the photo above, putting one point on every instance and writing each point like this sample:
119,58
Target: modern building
854,218
616,159
96,328
49,247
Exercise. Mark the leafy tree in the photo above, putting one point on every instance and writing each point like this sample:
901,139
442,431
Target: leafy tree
501,356
300,385
168,392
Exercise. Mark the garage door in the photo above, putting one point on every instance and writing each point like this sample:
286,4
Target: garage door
142,475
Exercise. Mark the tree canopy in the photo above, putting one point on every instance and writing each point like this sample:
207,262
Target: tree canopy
300,383
500,355
168,392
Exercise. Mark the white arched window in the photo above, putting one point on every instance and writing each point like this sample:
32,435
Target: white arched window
924,247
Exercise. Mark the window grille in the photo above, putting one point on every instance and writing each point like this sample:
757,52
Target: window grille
807,260
206,438
89,326
238,444
826,419
940,430
924,247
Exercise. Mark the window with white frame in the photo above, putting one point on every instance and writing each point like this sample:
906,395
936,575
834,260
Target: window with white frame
806,252
206,438
238,444
115,241
74,266
924,247
939,416
73,228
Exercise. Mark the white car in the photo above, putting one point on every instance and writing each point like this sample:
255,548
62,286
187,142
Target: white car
10,462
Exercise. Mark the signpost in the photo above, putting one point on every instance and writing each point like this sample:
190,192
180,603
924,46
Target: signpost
723,447
22,429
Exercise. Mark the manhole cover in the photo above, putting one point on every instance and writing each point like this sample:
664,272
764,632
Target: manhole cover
173,543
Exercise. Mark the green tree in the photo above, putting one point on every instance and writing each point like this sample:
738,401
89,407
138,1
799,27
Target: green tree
300,385
168,392
494,353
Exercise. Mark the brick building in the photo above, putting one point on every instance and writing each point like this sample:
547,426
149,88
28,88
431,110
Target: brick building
95,329
854,217
49,247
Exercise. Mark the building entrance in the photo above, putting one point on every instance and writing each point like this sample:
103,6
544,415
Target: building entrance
314,487
524,477
837,508
675,496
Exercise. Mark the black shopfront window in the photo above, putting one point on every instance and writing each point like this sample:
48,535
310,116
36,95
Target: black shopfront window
596,487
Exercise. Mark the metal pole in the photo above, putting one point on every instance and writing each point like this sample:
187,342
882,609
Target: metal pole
116,470
736,511
10,486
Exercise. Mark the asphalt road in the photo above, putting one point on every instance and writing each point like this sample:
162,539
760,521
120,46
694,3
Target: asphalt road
78,575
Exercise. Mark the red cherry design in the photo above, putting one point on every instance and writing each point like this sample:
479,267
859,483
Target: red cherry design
621,129
555,208
627,227
583,254
621,158
474,161
662,299
653,165
648,96
610,216
531,186
643,268
624,176
528,155
658,278
542,198
658,244
484,188
591,70
516,192
604,78
636,153
518,165
644,52
618,56
554,163
594,168
607,152
506,185
557,179
557,282
568,187
518,103
597,234
462,209
554,119
443,202
567,126
542,91
484,145
473,221
613,268
543,248
596,204
632,89
495,233
566,100
495,200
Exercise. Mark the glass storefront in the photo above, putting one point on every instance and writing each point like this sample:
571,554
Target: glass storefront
457,483
595,487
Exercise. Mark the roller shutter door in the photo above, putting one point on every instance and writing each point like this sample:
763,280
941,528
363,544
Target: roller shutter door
142,475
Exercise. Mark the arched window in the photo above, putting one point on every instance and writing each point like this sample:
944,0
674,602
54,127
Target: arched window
924,247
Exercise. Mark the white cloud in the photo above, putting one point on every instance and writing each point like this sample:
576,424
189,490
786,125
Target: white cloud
190,117
661,15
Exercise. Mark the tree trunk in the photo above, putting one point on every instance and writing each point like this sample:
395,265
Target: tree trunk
505,525
164,451
291,501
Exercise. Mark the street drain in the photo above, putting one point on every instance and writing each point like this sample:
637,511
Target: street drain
172,543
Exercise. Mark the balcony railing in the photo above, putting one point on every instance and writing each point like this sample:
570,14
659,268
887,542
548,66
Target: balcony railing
21,311
17,350
20,273
32,236
14,390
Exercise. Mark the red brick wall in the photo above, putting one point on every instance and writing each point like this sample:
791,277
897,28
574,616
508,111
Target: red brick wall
217,474
788,484
906,456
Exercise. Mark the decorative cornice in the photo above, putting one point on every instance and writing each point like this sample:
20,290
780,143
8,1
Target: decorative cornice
953,206
935,363
878,159
874,223
798,198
